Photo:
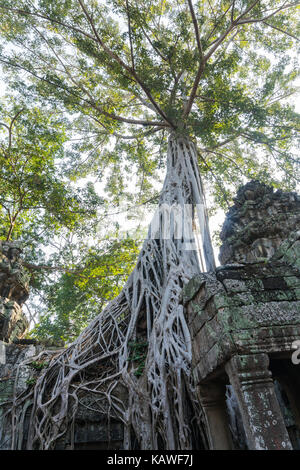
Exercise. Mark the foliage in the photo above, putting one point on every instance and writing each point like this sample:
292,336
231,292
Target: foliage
36,201
219,71
39,365
79,295
38,204
31,381
138,354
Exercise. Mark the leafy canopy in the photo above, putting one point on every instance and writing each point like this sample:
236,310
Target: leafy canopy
79,294
217,70
34,194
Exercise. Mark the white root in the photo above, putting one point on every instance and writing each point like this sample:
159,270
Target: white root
148,309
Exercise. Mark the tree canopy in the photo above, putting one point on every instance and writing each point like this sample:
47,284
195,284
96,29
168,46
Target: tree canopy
217,70
34,192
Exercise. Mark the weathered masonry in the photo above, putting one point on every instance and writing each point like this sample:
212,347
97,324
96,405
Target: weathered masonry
244,319
14,291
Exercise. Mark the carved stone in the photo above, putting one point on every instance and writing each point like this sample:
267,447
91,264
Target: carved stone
257,223
14,291
212,399
253,385
249,311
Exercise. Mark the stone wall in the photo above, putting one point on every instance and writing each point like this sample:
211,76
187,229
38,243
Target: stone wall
21,362
242,308
18,372
92,430
15,373
257,223
244,319
14,291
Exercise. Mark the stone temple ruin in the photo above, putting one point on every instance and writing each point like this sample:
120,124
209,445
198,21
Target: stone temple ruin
244,320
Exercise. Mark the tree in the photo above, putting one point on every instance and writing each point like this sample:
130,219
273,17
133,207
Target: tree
212,78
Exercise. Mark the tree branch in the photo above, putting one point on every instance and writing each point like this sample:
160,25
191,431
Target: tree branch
260,20
233,24
196,28
232,11
281,30
93,105
154,47
11,126
201,67
98,40
39,267
129,32
130,70
48,18
126,137
246,11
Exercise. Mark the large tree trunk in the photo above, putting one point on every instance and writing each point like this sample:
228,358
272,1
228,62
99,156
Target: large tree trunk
160,394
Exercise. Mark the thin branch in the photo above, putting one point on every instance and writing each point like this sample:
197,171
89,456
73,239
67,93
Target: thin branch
5,125
48,18
224,142
31,316
41,267
98,40
232,11
219,183
202,63
121,136
285,170
11,126
223,155
196,28
212,10
238,21
130,34
201,69
90,104
154,47
246,11
260,20
281,30
217,23
74,81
